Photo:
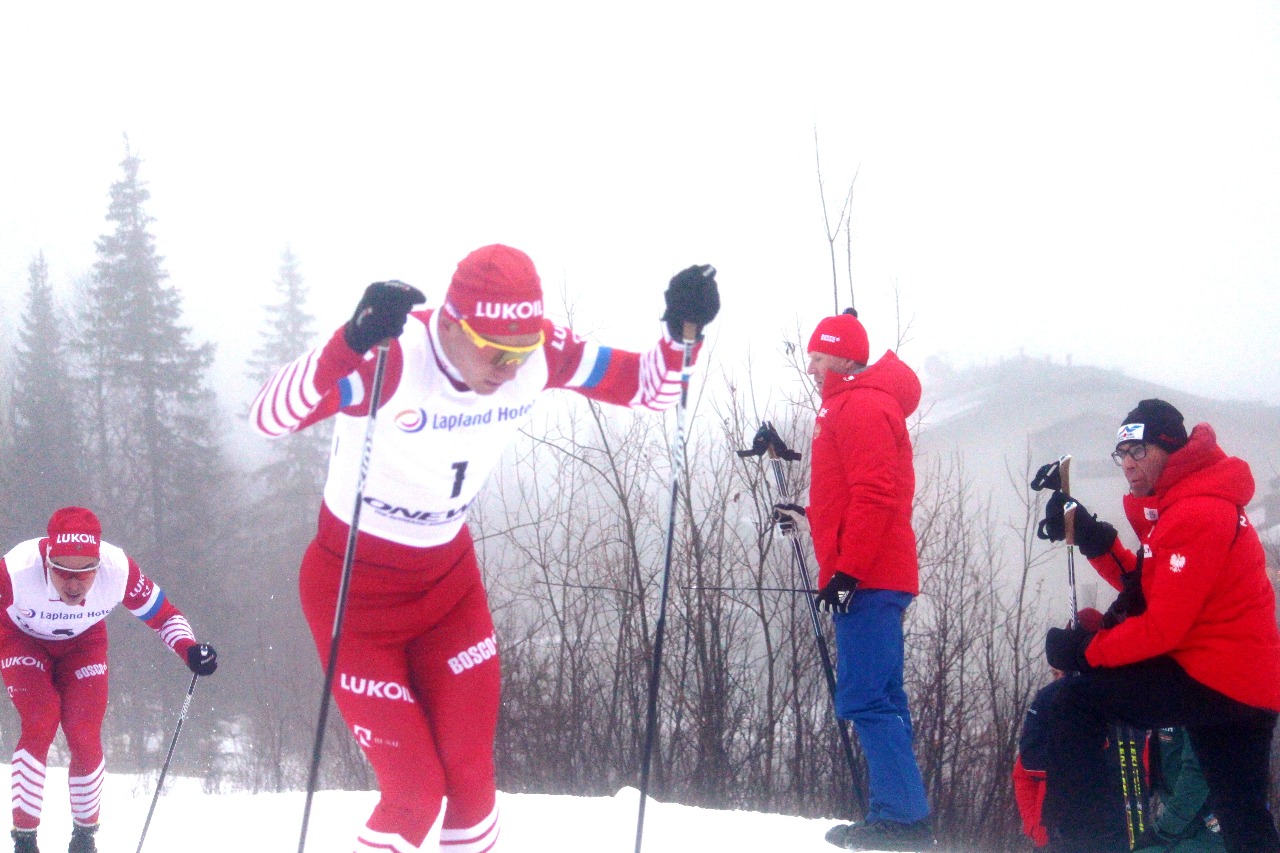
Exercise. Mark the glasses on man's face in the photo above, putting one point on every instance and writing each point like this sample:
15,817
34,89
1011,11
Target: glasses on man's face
505,354
1134,452
65,571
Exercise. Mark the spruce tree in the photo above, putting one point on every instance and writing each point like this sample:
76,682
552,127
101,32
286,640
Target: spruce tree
159,464
292,478
45,461
161,487
278,525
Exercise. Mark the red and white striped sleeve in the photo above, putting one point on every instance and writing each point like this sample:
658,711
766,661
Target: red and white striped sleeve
648,380
146,600
318,384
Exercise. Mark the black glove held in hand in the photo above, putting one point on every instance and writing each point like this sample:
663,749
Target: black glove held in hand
202,659
1049,476
1054,525
692,297
790,518
1064,649
1130,601
837,594
1094,537
381,314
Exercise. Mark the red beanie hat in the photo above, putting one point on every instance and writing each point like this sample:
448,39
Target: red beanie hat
1089,619
841,336
74,532
497,291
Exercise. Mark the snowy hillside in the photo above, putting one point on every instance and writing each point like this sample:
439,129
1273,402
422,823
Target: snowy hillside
190,821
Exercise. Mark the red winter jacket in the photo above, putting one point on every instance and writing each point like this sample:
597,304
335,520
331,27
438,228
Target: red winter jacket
1210,605
863,481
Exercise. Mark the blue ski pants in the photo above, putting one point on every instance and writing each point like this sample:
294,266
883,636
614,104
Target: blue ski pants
869,693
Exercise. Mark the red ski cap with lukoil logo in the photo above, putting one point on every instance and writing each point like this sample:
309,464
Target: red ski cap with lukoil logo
74,532
497,291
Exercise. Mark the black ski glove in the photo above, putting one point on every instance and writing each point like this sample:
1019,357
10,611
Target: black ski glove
1130,601
202,659
692,297
836,596
1094,537
790,519
381,314
1064,649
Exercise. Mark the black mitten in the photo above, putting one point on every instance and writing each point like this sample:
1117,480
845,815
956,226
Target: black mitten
692,297
381,314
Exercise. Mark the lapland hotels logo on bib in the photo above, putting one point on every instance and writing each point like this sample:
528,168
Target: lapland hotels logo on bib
411,420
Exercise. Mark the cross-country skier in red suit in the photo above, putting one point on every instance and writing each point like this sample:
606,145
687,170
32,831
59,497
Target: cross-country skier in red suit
417,677
55,593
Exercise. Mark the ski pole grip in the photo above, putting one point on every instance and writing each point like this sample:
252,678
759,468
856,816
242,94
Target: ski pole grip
1069,522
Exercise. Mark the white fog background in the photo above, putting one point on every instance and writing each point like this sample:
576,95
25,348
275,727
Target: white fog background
1095,180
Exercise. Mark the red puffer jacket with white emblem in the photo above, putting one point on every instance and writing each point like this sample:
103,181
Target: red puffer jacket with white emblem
1210,604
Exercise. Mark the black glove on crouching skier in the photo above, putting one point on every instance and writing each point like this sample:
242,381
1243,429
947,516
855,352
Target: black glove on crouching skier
1094,537
1064,649
1130,601
381,314
202,659
692,297
836,596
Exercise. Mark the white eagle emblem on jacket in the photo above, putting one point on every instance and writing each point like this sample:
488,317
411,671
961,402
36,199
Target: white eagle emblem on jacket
1177,562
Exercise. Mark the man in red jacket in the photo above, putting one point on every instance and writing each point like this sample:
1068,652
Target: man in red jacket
1191,641
860,497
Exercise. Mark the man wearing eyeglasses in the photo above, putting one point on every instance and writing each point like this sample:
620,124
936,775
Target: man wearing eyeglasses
55,592
1191,641
417,678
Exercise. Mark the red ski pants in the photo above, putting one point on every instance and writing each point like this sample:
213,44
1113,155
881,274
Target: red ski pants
52,683
417,683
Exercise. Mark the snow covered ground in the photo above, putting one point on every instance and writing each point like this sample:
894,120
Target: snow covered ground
187,820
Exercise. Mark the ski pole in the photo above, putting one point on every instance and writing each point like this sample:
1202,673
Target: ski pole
186,704
1069,525
768,442
690,336
1130,782
1057,476
340,611
1130,795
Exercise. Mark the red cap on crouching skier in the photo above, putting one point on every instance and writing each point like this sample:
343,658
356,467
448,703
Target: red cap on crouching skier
496,290
74,532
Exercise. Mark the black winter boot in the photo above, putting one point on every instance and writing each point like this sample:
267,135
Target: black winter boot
82,839
24,841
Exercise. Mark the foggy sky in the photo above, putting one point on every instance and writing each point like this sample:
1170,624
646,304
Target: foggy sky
1096,180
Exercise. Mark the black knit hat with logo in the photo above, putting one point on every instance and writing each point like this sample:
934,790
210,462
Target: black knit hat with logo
1154,422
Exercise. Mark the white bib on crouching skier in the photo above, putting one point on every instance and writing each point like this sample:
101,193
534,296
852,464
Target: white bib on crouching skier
39,612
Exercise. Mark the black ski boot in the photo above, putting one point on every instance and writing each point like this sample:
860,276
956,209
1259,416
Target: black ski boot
24,841
82,839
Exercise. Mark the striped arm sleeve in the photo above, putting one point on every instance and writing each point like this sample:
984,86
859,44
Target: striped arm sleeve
147,601
308,389
648,380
